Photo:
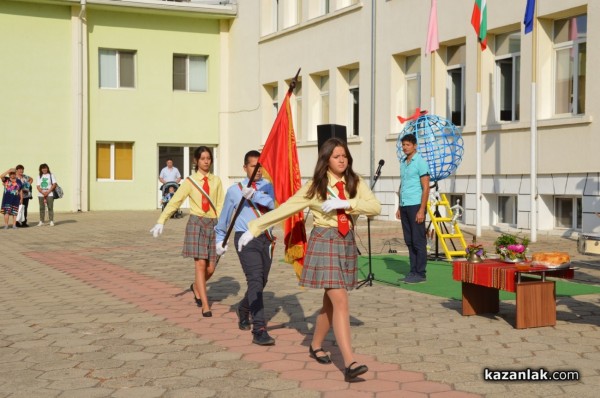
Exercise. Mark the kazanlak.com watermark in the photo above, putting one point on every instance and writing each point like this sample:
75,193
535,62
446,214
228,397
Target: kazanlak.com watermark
528,374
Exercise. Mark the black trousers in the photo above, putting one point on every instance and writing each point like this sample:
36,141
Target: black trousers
415,239
256,261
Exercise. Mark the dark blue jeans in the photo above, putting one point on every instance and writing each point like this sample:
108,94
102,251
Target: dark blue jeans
415,239
256,264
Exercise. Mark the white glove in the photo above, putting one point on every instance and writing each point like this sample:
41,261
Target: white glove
157,230
244,240
247,192
220,249
334,204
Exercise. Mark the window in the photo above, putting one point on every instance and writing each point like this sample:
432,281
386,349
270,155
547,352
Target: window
567,212
189,73
117,68
317,8
292,12
345,3
324,99
455,62
508,63
457,200
114,161
412,71
274,101
297,115
570,37
353,100
507,209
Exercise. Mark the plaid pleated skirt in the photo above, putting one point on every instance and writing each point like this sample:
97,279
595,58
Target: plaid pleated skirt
199,241
330,261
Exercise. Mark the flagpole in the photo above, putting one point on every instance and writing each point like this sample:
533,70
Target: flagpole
533,177
432,94
478,146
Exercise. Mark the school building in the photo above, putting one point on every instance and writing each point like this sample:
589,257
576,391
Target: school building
105,91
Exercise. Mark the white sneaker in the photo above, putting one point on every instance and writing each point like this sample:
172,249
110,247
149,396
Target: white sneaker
40,223
51,223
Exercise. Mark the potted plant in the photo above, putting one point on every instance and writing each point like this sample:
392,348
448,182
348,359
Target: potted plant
511,248
475,252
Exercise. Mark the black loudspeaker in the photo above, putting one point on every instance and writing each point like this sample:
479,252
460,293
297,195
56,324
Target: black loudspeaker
327,131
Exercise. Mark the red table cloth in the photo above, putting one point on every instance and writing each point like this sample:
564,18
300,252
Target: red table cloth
500,275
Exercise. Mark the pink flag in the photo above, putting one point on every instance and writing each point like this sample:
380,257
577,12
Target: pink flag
433,42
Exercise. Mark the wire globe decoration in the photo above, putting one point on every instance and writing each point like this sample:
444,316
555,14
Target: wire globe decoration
439,142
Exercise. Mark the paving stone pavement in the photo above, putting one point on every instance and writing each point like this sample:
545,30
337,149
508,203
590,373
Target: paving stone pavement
96,307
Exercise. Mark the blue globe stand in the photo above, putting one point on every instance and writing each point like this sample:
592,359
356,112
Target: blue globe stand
440,143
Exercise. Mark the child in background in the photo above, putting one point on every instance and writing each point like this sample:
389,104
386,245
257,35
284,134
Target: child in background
168,195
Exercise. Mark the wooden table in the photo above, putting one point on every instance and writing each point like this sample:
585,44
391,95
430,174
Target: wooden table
536,297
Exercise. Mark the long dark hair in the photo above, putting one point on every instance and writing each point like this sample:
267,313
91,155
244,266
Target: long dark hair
44,165
320,180
199,151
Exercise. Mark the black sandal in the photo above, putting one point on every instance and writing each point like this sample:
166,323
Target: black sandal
198,301
323,359
351,373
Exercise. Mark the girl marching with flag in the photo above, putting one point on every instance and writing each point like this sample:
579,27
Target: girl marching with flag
334,194
205,192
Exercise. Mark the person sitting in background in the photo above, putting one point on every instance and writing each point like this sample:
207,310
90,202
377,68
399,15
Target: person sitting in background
167,196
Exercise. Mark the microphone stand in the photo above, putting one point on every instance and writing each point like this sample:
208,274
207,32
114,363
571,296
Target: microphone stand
370,276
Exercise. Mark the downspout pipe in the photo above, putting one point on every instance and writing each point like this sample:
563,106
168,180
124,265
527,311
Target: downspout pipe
80,130
372,119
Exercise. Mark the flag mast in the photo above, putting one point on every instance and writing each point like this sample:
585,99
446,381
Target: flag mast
433,44
533,177
478,146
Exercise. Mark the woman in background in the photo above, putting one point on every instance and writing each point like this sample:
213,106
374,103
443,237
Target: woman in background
12,198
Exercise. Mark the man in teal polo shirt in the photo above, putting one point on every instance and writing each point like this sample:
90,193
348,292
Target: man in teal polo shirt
414,191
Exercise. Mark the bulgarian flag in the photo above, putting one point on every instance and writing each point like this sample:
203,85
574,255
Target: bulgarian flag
479,21
279,162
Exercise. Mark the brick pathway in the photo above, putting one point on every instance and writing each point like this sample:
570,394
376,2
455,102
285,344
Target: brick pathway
96,307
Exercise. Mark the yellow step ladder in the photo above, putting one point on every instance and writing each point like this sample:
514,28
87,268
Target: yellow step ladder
445,231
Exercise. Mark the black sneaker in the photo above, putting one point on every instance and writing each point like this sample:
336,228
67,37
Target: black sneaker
261,337
415,279
243,320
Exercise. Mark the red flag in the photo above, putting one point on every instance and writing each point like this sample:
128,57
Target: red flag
279,162
479,21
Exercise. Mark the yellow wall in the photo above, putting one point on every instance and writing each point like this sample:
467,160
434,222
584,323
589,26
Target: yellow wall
35,98
151,113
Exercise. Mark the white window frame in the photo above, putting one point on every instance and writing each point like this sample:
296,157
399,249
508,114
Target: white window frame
573,47
450,91
353,95
274,93
516,59
576,207
297,113
514,212
409,78
322,95
112,161
189,58
117,69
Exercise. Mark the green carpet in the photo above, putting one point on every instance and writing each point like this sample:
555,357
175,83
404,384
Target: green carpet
390,268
